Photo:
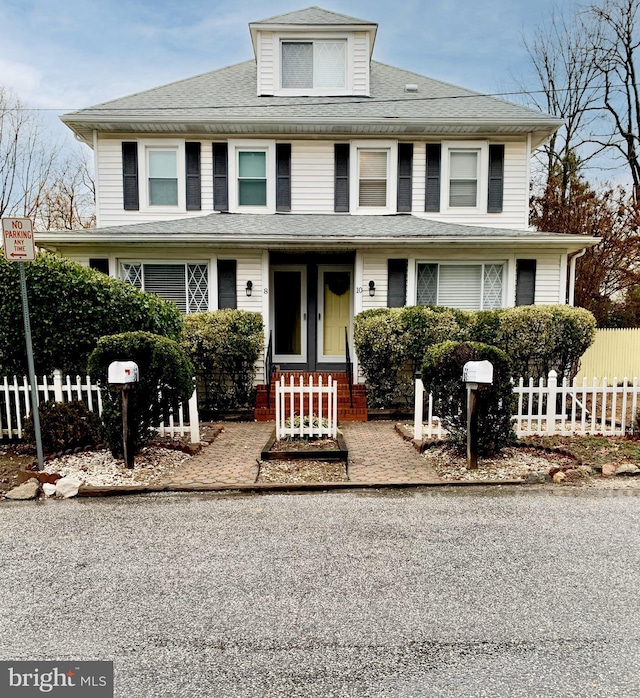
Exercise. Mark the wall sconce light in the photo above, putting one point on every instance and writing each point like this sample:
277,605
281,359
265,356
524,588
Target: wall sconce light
372,288
249,288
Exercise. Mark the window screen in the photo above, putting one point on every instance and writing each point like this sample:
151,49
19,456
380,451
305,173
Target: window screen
163,178
373,178
463,179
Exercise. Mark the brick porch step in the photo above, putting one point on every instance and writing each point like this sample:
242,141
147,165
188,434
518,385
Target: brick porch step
346,413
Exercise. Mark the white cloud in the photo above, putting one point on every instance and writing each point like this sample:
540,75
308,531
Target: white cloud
20,78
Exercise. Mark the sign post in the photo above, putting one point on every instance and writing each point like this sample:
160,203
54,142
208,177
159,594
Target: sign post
19,246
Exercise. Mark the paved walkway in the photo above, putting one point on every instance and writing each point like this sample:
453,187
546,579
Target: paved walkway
377,455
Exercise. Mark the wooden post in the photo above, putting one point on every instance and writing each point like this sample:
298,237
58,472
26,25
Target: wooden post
472,426
126,432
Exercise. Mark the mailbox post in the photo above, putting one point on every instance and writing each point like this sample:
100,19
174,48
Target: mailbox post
474,373
124,374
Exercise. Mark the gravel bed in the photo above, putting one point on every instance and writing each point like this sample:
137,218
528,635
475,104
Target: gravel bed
302,471
100,468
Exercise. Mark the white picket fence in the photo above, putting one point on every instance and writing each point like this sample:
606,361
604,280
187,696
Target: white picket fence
15,404
547,408
306,410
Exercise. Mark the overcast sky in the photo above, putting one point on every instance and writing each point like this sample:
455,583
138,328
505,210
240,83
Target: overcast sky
68,54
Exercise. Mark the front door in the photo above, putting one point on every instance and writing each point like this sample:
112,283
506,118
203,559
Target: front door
289,314
334,312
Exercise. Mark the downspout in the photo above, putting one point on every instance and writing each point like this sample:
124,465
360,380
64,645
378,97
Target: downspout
572,274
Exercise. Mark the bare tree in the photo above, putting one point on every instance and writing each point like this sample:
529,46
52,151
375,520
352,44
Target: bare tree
68,203
562,58
615,51
27,158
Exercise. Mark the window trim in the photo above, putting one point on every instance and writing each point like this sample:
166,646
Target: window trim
482,148
391,148
468,263
145,146
312,37
165,262
238,146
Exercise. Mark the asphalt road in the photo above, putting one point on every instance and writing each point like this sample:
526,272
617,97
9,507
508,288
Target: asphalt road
472,592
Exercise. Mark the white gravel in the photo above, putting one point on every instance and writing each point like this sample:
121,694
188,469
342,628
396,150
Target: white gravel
101,468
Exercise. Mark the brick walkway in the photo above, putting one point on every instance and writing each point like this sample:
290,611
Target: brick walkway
377,455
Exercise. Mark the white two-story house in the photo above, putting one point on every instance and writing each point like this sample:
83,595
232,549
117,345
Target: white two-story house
310,183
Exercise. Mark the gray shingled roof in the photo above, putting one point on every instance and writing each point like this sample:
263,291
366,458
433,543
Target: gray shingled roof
313,15
311,229
225,100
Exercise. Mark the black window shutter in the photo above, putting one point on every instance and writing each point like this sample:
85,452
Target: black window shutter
496,178
405,174
341,184
432,185
227,295
99,264
283,177
525,281
192,164
397,283
220,177
131,198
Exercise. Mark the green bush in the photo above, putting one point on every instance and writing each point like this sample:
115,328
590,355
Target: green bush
391,343
165,379
71,306
442,375
224,347
65,425
538,338
381,347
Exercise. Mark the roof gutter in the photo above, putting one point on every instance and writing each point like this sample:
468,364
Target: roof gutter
572,275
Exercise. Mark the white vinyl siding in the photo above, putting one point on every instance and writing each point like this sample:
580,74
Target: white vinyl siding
266,63
312,177
549,286
361,63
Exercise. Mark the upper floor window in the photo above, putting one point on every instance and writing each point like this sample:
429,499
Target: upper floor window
252,178
163,177
373,165
463,178
314,65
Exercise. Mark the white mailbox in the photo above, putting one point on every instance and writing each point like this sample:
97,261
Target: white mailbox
123,372
478,372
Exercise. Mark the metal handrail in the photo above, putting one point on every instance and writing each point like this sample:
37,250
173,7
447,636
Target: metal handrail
269,368
349,366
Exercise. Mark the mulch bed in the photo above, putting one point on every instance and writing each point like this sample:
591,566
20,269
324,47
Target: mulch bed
293,471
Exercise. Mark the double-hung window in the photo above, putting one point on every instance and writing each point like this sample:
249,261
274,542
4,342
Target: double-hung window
313,65
162,170
463,178
372,179
252,178
464,286
187,285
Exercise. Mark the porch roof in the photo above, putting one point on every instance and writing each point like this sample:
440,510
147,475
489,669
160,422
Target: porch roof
299,231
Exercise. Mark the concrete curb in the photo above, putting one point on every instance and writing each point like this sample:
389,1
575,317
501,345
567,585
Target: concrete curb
119,490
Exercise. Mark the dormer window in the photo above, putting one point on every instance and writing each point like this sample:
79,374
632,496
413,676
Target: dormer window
314,65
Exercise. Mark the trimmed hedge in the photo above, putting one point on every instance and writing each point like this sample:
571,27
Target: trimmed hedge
165,379
71,306
442,375
64,425
224,347
391,342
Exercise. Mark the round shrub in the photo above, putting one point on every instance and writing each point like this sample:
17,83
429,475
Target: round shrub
71,306
442,375
224,347
165,379
65,425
